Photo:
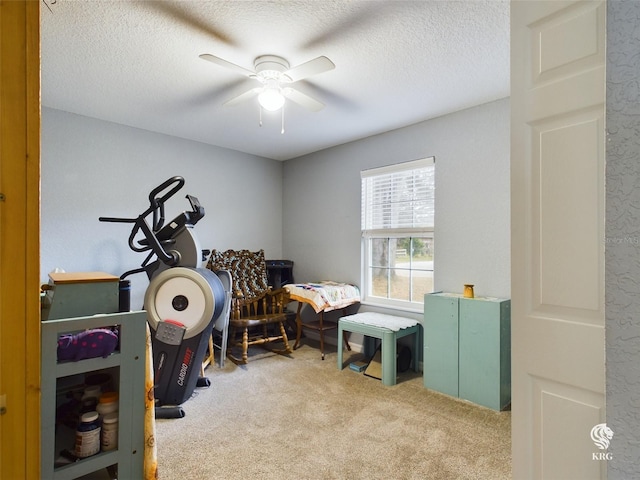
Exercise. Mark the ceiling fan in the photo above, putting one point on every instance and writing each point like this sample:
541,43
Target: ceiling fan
275,76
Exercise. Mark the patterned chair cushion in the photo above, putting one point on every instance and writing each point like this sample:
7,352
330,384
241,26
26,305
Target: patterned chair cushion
248,270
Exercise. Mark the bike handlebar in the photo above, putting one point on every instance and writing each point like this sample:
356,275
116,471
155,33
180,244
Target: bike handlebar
156,206
157,203
177,179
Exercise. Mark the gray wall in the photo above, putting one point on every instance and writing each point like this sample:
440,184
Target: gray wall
306,210
92,168
321,203
622,242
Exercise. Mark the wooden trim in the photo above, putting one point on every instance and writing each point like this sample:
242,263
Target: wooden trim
82,277
20,238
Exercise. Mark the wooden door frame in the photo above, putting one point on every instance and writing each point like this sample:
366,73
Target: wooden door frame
20,238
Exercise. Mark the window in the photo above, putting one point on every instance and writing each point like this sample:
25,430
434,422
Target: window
397,234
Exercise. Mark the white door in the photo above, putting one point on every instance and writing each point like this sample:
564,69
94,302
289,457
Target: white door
557,189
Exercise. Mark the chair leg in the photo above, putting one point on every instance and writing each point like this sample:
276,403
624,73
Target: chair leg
245,345
209,359
230,356
285,339
265,342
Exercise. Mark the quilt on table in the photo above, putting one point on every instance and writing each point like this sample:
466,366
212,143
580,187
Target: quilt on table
324,296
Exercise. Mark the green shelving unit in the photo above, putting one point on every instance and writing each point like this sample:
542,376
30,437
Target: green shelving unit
128,364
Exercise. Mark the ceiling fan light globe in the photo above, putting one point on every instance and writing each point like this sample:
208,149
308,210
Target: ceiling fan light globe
271,99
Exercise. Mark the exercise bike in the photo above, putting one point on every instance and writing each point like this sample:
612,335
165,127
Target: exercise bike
183,301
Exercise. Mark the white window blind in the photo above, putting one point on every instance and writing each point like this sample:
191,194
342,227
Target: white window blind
398,197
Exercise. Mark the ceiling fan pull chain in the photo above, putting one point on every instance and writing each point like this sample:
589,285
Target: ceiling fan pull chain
282,129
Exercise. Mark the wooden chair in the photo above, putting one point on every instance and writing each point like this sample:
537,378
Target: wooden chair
254,305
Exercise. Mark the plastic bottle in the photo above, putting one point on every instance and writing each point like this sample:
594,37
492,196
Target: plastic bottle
89,399
88,435
88,404
92,391
108,403
109,435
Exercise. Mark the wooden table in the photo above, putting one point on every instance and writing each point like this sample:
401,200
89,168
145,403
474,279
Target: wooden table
323,297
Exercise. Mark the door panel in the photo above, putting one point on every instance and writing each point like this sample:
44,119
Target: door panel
557,175
577,408
567,181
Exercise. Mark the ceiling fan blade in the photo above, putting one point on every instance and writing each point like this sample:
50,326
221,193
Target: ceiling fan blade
312,67
243,96
180,12
226,64
302,99
355,21
328,95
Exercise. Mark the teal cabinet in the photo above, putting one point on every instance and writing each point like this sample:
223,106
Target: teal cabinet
467,348
440,355
485,352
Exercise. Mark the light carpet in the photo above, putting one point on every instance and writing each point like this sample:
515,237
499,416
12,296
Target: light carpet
300,417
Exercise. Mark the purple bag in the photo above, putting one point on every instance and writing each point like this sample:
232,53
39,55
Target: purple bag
98,342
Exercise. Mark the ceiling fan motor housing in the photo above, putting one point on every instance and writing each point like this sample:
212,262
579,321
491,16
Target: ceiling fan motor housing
271,67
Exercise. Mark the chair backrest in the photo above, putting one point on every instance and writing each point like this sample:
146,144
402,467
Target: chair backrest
248,271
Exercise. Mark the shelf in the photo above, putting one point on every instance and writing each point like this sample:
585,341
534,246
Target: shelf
87,465
67,369
129,361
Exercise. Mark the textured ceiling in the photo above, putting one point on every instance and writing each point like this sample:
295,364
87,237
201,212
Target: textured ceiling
397,63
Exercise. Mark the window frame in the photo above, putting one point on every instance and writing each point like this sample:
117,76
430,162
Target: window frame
368,235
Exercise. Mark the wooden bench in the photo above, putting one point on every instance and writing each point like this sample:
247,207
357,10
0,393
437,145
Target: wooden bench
388,328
